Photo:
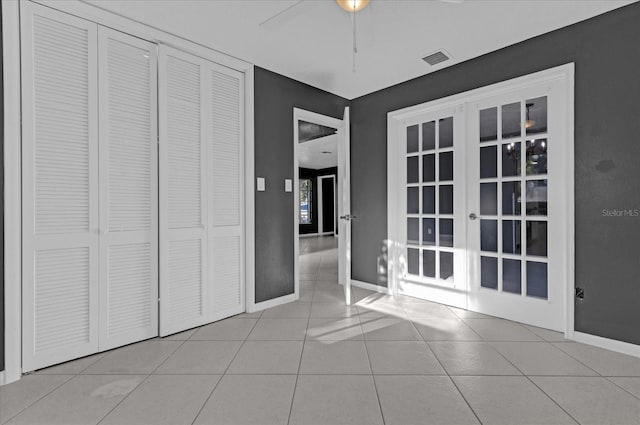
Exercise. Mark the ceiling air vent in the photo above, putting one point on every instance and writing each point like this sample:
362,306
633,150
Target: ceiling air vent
436,57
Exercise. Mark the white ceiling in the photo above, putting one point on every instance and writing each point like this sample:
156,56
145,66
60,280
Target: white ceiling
312,42
310,154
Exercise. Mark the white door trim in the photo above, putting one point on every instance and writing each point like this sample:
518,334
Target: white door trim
395,122
12,193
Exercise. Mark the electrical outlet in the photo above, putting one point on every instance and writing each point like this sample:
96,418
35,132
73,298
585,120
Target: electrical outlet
579,293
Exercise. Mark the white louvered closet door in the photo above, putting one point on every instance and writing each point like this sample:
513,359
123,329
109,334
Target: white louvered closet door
128,189
225,96
183,187
60,187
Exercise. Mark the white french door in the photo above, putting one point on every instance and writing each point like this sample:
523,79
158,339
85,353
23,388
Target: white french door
433,201
516,196
128,189
480,199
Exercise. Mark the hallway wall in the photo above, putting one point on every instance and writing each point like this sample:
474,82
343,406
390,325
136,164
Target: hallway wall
275,97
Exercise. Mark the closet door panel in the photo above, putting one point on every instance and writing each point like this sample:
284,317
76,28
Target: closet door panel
60,187
183,189
226,238
128,189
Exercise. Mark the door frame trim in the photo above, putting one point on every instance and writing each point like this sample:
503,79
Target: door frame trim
12,193
395,122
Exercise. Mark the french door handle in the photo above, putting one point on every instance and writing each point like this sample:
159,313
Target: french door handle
347,217
473,216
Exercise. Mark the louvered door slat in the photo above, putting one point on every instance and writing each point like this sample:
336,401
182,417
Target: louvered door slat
183,219
60,171
128,189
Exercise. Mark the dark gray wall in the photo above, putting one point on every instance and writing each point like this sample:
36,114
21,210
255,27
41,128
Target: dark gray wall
275,98
1,201
606,52
308,173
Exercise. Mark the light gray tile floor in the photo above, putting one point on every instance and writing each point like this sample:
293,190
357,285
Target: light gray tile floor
316,361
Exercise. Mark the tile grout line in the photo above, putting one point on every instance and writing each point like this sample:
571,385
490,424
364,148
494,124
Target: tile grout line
608,378
222,375
140,383
71,376
295,384
445,371
373,376
534,384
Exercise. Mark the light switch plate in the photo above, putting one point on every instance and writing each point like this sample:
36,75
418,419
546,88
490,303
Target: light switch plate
288,185
260,186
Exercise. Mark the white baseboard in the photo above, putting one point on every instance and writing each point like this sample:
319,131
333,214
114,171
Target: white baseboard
606,343
370,287
2,378
272,303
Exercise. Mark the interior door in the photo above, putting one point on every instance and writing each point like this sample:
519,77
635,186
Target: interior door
431,194
225,139
59,187
517,149
344,207
183,192
128,189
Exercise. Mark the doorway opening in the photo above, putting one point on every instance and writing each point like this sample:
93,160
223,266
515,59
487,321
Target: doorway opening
319,236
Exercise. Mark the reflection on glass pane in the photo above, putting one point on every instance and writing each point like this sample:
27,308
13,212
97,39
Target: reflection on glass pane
429,200
413,231
511,198
412,139
536,115
511,241
537,238
446,265
413,200
446,232
489,124
536,197
536,157
428,263
446,166
511,159
488,162
537,279
489,272
489,235
429,168
446,132
489,198
511,276
413,261
413,173
511,120
446,199
428,231
428,135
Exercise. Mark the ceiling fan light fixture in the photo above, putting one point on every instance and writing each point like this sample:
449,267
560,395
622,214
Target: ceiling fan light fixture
352,5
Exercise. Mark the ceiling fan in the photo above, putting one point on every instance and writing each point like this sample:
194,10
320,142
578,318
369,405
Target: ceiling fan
350,6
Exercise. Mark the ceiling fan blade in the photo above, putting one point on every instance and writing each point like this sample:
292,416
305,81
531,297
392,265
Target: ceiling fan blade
279,17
